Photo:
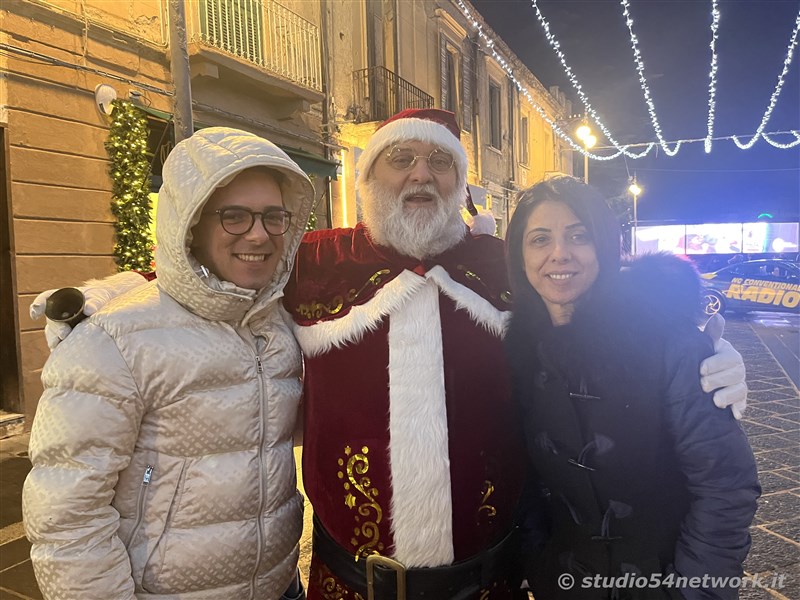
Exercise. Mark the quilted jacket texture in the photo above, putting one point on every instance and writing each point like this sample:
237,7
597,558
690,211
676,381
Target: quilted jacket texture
162,445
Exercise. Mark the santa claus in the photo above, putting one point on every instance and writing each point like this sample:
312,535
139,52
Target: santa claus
411,447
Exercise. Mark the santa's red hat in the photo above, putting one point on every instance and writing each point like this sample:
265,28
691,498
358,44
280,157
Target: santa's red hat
430,125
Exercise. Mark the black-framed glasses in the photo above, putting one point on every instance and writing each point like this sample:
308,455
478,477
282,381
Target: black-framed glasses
239,221
404,159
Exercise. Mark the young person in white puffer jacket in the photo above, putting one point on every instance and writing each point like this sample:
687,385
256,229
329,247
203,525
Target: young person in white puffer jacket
162,445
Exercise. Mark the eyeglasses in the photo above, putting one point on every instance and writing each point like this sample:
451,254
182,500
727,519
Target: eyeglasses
439,161
239,221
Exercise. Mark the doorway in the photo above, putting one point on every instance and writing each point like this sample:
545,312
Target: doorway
9,347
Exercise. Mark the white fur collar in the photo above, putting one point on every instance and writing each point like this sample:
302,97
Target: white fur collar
321,337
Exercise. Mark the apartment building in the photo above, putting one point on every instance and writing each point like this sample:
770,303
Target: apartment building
388,55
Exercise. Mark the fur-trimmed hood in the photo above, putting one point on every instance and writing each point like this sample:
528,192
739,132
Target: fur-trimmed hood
662,287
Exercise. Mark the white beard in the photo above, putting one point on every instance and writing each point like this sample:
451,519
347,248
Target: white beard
417,231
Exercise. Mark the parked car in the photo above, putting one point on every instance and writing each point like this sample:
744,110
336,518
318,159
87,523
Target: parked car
766,284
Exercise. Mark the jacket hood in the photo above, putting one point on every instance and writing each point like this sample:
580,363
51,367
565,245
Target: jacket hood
194,169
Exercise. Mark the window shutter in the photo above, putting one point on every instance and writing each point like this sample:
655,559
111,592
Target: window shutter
237,26
466,86
443,68
216,18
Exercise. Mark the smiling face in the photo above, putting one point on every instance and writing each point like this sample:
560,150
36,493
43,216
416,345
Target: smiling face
248,260
559,258
414,211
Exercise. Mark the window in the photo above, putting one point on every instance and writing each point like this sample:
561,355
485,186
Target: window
450,63
452,95
494,115
467,75
523,141
235,26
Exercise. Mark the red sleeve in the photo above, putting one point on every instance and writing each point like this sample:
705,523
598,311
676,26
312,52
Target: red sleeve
148,276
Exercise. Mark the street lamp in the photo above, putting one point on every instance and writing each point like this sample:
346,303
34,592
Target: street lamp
634,189
584,134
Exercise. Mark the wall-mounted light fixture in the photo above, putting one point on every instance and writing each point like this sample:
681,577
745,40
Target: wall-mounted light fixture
104,95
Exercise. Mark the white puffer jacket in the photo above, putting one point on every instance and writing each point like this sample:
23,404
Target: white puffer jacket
161,448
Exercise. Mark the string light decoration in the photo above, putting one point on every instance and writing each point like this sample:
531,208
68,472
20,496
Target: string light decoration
786,146
311,224
556,46
780,145
130,176
776,92
625,149
766,136
637,57
712,76
489,43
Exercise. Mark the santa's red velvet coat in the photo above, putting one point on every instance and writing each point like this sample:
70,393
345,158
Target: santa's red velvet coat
411,446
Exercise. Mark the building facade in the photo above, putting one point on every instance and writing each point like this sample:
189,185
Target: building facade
388,55
315,77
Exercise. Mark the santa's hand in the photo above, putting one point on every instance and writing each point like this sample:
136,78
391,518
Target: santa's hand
97,293
724,371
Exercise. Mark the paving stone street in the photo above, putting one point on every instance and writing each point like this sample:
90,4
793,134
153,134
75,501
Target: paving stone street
772,422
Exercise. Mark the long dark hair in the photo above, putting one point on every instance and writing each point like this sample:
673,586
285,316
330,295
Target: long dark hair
530,313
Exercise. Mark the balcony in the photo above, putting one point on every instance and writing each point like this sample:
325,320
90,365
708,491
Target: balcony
379,93
263,34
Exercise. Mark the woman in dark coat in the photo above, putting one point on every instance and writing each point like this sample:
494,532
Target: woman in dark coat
646,483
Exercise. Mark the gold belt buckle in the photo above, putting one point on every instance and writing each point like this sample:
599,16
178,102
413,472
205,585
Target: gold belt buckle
398,567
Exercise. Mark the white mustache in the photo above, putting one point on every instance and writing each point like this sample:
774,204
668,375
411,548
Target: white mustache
421,190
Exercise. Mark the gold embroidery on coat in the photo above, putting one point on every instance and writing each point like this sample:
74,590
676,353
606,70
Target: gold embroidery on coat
315,309
468,273
488,490
375,280
366,534
484,594
504,296
325,582
331,590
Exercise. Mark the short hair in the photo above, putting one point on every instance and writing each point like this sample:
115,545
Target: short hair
591,209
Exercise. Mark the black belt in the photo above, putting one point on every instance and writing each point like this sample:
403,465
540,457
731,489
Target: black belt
378,577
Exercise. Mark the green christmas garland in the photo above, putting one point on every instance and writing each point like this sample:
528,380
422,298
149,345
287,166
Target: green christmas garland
130,177
311,224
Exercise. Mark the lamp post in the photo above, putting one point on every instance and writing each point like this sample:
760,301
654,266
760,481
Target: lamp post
584,134
634,189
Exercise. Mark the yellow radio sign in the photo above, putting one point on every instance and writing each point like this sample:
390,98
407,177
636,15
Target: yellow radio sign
764,292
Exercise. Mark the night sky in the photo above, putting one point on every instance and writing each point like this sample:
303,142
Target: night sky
727,185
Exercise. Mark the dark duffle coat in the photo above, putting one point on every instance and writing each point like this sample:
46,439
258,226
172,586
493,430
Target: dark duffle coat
638,471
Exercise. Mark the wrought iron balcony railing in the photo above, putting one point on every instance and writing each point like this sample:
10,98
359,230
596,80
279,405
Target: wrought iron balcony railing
264,33
381,93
